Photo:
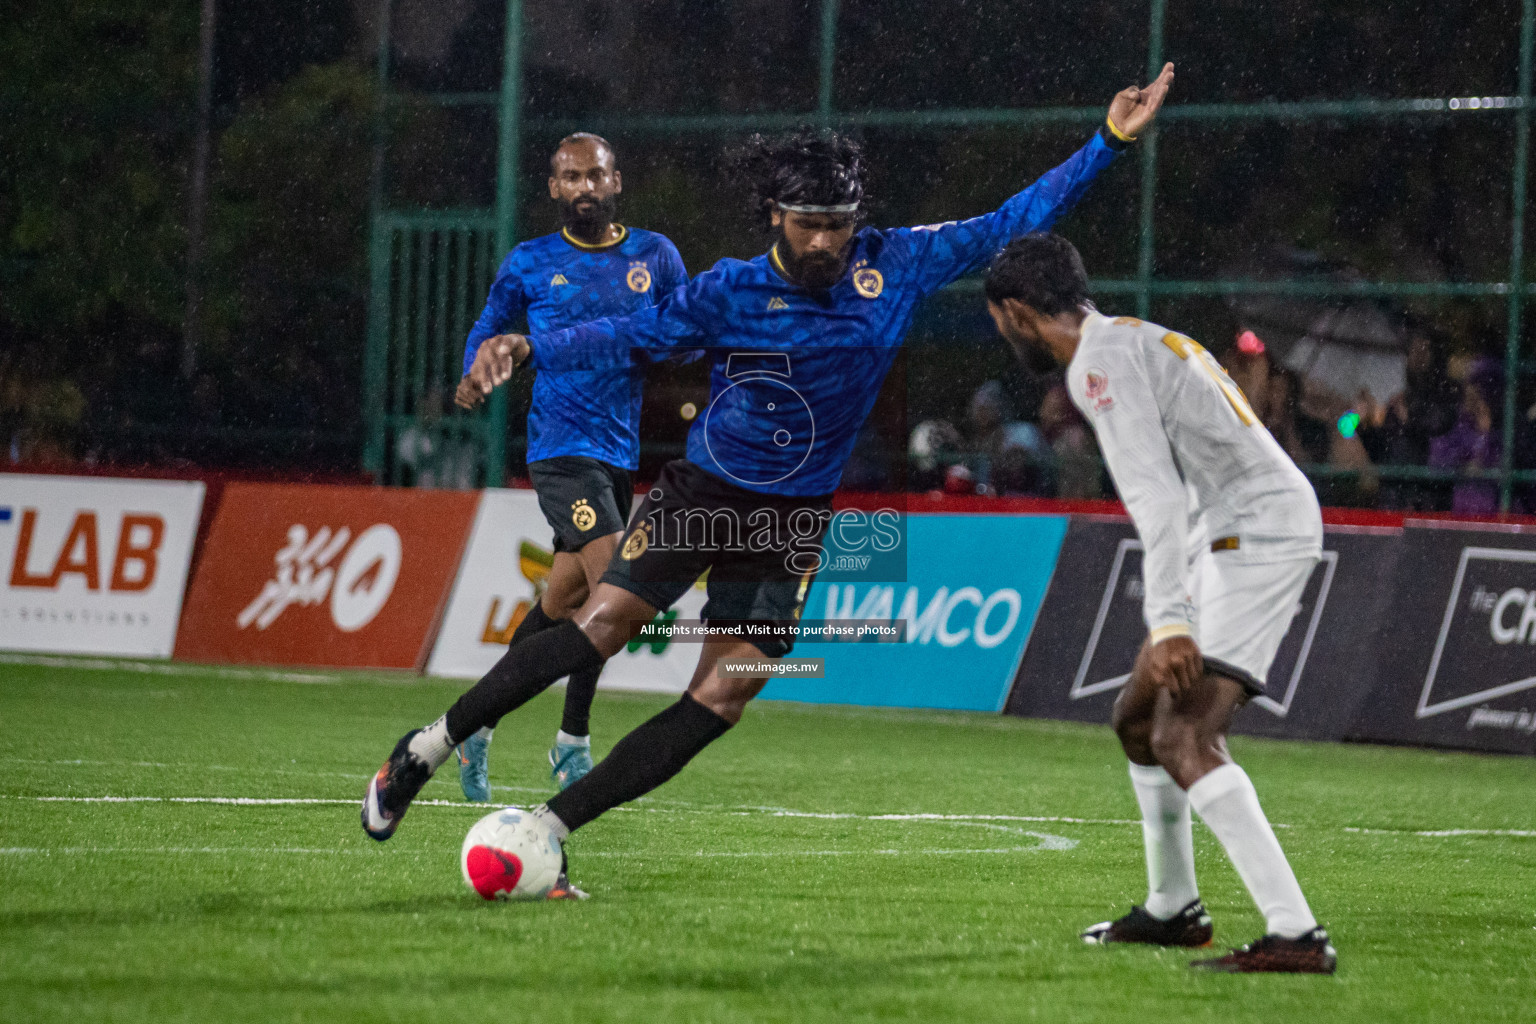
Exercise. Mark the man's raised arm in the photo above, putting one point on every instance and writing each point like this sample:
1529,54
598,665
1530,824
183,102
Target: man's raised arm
945,252
503,306
677,323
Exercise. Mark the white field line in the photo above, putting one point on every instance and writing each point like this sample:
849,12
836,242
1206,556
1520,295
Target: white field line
1443,833
231,801
974,820
983,820
64,851
1047,843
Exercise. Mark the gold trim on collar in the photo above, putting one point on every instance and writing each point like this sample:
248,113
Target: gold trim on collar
778,264
578,243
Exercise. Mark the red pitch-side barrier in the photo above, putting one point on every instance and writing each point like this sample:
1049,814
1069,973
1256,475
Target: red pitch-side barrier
310,575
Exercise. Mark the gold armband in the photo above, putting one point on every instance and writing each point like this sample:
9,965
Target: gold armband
1162,633
1114,130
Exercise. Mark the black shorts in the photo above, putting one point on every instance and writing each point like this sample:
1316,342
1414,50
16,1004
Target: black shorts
582,498
761,550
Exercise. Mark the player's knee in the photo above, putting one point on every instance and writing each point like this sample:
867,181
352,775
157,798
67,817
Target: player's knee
568,603
727,697
1174,743
606,626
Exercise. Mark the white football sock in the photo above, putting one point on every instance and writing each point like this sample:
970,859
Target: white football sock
1226,801
1165,829
550,818
485,732
431,744
561,736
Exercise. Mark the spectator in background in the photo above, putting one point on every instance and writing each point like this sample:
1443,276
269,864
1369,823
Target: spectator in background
932,449
1079,467
1007,456
436,452
1270,390
1473,443
1398,432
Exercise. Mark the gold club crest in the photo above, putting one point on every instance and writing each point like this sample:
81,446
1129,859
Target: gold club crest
639,277
583,515
635,544
868,282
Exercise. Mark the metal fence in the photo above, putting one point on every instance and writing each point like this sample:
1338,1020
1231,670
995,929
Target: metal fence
408,318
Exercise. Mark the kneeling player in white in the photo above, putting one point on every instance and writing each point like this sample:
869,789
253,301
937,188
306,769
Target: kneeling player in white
1231,531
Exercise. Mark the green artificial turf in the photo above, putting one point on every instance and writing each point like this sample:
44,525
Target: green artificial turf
760,885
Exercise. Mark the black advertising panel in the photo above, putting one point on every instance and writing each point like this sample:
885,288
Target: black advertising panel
1459,665
1047,684
1091,626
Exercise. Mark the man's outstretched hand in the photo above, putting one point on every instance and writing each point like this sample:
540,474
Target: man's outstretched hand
494,362
1133,109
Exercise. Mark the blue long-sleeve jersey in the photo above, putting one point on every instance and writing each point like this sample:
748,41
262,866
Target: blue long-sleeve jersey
796,372
557,281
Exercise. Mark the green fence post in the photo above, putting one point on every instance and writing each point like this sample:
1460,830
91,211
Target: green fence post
828,60
1149,170
376,349
380,245
507,169
1517,257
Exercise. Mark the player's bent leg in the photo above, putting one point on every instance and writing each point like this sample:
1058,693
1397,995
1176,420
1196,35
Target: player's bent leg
1189,733
726,696
1189,738
566,591
600,629
571,756
612,614
1172,914
1135,707
659,748
568,587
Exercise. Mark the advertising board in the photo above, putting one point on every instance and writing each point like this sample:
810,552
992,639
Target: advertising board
973,589
308,575
94,564
1091,628
1458,662
505,569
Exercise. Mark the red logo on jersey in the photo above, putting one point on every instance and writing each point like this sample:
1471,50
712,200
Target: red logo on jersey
1098,390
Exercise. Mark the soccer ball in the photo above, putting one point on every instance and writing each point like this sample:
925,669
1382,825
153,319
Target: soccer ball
510,855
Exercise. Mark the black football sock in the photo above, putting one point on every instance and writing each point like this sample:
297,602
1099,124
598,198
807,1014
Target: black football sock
579,691
641,761
533,623
524,672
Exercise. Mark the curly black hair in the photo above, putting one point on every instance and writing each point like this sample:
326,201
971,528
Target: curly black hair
815,166
1041,270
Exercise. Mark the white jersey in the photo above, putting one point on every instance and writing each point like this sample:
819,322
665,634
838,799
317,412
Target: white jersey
1193,464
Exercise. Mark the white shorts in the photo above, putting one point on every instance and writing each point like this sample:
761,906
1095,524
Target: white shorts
1243,611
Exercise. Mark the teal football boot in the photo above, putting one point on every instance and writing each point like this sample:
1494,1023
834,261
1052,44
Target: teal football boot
569,762
474,768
